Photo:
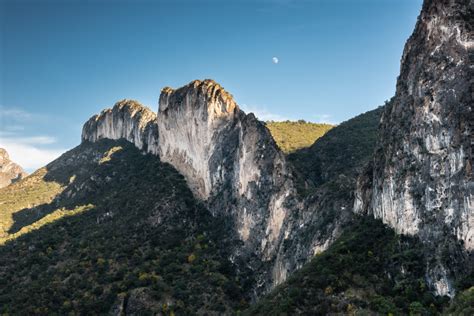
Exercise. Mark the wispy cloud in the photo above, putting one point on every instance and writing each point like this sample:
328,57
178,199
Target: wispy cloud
323,118
15,114
28,154
29,151
35,140
263,114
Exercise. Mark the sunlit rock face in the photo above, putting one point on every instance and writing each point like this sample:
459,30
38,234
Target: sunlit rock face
129,120
190,122
9,171
422,181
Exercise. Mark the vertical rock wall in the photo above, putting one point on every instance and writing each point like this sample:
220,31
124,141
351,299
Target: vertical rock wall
422,181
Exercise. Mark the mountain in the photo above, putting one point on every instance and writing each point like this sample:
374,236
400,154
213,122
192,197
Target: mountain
231,162
228,159
420,181
10,172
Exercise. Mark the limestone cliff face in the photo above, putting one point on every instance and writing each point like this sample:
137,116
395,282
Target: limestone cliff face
190,122
231,161
129,120
9,171
421,182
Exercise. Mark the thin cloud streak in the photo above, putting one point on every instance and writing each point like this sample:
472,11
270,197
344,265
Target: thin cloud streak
15,114
35,140
28,155
323,118
29,151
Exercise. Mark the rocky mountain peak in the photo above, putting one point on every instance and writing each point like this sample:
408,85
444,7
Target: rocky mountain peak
190,121
218,101
127,119
228,158
9,171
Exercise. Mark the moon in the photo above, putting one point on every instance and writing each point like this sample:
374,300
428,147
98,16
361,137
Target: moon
275,60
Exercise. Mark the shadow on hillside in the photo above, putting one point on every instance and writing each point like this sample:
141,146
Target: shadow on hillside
339,155
82,175
28,216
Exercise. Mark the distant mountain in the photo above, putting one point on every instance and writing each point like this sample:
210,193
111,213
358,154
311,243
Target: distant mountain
10,172
294,135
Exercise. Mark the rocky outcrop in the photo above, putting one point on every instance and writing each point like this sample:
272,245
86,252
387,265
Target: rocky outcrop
193,123
10,172
421,180
128,120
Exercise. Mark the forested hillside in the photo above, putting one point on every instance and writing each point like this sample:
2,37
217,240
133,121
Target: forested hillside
124,234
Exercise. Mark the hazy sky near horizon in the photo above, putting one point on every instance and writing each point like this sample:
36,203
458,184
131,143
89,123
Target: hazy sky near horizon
63,61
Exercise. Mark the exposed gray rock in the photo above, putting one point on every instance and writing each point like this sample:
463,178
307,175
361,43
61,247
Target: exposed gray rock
129,120
421,180
10,172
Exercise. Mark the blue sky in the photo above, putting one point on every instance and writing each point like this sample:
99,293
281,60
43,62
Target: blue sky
63,61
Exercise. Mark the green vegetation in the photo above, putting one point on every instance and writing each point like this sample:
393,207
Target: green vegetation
463,303
28,193
368,270
339,155
146,245
49,218
293,135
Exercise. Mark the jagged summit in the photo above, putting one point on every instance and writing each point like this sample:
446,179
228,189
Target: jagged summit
134,108
9,171
191,120
208,91
127,119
